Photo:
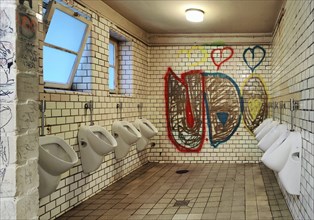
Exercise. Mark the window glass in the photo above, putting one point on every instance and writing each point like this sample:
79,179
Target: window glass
63,45
65,31
111,53
111,78
57,65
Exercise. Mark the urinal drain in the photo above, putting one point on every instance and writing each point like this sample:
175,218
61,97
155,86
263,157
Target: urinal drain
181,171
181,203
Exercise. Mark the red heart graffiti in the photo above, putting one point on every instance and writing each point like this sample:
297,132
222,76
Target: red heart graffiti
221,51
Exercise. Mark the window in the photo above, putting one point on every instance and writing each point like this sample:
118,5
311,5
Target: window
113,66
120,61
63,45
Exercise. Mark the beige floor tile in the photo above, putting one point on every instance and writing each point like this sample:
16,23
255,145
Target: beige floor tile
180,216
194,216
215,191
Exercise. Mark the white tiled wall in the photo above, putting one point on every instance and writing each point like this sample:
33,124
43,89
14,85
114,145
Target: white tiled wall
65,114
241,148
143,82
292,66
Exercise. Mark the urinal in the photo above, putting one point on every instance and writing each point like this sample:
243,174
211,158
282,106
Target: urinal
55,158
94,143
262,125
147,130
290,175
276,157
265,130
272,136
126,135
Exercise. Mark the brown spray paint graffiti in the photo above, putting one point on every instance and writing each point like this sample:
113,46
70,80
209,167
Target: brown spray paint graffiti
185,110
224,107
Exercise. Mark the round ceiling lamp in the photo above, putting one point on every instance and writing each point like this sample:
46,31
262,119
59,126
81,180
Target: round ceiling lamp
194,15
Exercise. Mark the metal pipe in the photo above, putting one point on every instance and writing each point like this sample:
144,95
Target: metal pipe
90,105
119,107
292,114
140,109
120,111
280,111
42,108
91,108
274,106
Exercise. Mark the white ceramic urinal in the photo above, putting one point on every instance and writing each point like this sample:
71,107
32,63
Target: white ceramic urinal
290,175
126,135
276,157
265,130
55,158
262,125
147,130
94,143
272,136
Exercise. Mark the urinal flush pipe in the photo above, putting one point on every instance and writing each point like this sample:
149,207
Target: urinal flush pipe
140,109
281,106
294,105
42,108
90,105
274,106
119,107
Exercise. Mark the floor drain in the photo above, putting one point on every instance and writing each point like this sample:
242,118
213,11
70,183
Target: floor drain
181,171
181,203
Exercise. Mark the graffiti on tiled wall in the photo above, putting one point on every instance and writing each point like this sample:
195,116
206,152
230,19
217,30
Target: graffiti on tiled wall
223,107
196,92
220,56
254,91
185,110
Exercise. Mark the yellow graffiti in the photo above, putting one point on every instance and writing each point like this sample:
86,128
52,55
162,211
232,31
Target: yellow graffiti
197,55
254,103
254,107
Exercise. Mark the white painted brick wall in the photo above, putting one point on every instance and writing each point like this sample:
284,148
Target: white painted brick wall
292,66
65,114
242,147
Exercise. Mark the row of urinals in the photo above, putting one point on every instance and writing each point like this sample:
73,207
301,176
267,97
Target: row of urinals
57,157
282,152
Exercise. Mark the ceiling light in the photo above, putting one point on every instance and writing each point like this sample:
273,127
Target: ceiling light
194,15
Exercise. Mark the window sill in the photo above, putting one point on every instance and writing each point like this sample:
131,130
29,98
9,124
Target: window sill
120,95
63,91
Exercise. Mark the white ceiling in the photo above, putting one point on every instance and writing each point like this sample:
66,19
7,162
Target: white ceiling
221,16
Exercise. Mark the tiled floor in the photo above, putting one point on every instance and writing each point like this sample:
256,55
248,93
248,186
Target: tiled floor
207,191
